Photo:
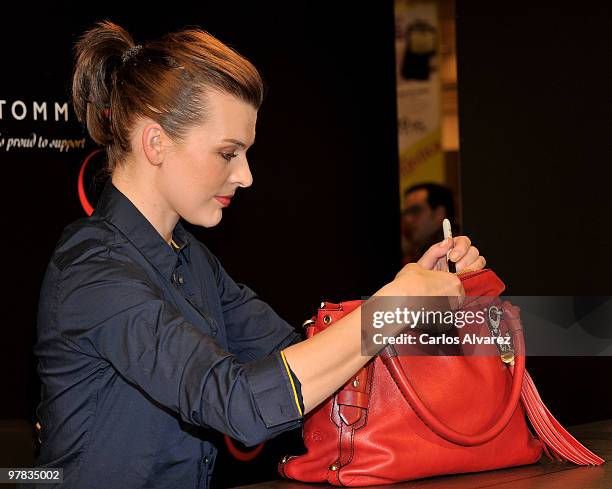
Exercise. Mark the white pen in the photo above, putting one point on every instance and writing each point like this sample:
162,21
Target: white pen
448,233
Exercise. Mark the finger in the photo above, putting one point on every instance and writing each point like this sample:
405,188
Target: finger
457,298
470,257
441,264
478,264
472,261
461,296
461,247
434,253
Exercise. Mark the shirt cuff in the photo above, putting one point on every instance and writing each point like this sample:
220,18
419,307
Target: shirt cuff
273,390
296,385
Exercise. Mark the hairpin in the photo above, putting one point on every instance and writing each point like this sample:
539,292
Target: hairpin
131,52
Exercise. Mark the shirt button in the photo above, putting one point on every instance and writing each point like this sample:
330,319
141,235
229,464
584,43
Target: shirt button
205,460
181,279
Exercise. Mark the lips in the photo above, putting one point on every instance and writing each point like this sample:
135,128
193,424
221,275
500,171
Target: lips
224,199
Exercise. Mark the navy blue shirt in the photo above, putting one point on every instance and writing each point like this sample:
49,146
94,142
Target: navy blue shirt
142,349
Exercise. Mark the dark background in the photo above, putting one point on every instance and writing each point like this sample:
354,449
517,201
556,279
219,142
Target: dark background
321,221
535,123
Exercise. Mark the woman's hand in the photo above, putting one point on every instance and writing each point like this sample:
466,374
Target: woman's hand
423,278
464,255
414,280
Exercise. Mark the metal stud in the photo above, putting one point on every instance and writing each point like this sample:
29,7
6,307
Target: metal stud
356,383
334,467
322,306
327,319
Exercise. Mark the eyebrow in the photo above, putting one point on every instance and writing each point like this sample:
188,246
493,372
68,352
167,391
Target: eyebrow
237,142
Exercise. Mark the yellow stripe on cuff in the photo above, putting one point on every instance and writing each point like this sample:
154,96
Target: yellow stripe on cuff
297,401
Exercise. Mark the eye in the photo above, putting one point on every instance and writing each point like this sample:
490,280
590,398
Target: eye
228,156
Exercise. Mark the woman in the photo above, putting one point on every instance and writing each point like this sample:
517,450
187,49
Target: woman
144,341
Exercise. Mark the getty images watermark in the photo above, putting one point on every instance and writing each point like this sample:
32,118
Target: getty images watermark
426,319
550,326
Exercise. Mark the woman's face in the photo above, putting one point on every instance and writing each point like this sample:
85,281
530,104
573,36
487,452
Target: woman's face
201,173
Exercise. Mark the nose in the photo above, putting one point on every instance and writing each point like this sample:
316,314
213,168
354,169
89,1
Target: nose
242,173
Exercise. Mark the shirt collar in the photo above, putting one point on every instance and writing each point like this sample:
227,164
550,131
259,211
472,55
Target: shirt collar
116,208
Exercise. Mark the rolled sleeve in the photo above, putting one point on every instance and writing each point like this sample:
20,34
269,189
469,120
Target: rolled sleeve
272,391
109,311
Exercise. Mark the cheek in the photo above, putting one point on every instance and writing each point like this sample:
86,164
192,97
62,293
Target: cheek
200,177
216,175
184,183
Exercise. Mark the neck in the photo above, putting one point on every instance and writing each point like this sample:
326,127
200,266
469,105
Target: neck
143,194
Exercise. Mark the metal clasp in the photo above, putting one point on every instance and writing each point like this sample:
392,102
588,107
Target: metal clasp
506,351
494,322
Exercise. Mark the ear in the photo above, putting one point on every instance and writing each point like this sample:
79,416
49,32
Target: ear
153,139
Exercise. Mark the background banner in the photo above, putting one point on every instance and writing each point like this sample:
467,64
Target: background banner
417,50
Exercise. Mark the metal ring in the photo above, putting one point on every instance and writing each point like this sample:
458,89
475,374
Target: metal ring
308,322
327,319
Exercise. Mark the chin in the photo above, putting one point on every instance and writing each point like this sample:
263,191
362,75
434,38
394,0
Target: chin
212,220
206,220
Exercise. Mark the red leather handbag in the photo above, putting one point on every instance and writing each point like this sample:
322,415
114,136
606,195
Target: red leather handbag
406,417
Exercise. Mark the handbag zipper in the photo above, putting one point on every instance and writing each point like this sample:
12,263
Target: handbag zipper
473,273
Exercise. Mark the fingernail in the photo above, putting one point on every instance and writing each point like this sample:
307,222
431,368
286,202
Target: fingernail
445,243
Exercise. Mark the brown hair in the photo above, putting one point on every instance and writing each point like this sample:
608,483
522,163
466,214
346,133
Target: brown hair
115,81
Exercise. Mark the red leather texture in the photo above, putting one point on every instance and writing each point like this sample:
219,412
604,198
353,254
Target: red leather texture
369,433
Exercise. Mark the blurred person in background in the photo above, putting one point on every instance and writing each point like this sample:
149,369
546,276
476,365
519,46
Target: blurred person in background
426,205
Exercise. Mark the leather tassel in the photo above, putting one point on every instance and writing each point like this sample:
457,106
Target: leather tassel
558,442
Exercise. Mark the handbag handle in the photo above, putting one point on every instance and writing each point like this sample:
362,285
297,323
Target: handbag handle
395,368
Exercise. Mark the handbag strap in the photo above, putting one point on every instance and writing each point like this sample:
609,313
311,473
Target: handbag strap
395,368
